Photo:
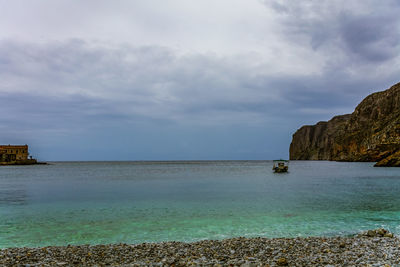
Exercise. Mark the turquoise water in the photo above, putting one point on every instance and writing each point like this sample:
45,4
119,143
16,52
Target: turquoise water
132,202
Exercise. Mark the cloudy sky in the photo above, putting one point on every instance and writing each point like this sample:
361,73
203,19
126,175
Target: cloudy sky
186,79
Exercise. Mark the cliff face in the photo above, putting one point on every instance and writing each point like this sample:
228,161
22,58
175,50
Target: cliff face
370,133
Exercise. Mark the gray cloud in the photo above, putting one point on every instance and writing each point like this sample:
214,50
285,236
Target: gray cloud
152,82
365,31
73,80
372,38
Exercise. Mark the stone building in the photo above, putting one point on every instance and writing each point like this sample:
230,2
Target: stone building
10,154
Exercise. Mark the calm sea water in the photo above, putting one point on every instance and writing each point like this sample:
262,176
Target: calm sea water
132,202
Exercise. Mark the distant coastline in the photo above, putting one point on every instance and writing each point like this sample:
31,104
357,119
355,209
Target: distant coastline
20,162
28,162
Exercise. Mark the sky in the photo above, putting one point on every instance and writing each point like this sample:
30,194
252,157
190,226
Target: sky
186,79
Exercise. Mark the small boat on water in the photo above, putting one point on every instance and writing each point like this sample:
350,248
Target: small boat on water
280,165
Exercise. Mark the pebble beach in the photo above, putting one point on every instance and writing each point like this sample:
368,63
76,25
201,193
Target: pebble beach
371,248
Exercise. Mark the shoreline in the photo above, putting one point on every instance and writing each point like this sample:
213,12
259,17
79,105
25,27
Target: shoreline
372,248
24,163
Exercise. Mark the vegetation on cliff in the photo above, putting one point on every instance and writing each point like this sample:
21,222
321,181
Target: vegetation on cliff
370,133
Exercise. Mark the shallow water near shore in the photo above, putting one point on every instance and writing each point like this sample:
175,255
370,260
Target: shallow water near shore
133,202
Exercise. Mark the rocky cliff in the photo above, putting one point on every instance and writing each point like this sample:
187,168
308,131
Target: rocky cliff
370,133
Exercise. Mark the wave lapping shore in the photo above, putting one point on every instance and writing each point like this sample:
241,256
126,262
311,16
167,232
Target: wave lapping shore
372,248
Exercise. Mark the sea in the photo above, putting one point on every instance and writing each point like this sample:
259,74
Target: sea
134,202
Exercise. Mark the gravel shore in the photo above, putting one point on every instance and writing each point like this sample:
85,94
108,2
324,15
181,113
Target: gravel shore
372,248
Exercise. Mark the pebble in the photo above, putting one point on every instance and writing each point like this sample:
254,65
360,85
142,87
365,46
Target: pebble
371,248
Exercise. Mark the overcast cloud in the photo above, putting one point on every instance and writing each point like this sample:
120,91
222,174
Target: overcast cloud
227,79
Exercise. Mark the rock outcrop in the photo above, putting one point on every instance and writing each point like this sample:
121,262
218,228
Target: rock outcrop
370,133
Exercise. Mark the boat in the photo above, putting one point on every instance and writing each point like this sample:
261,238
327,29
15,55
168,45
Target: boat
280,165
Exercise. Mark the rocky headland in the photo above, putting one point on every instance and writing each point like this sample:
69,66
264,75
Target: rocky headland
370,134
371,248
